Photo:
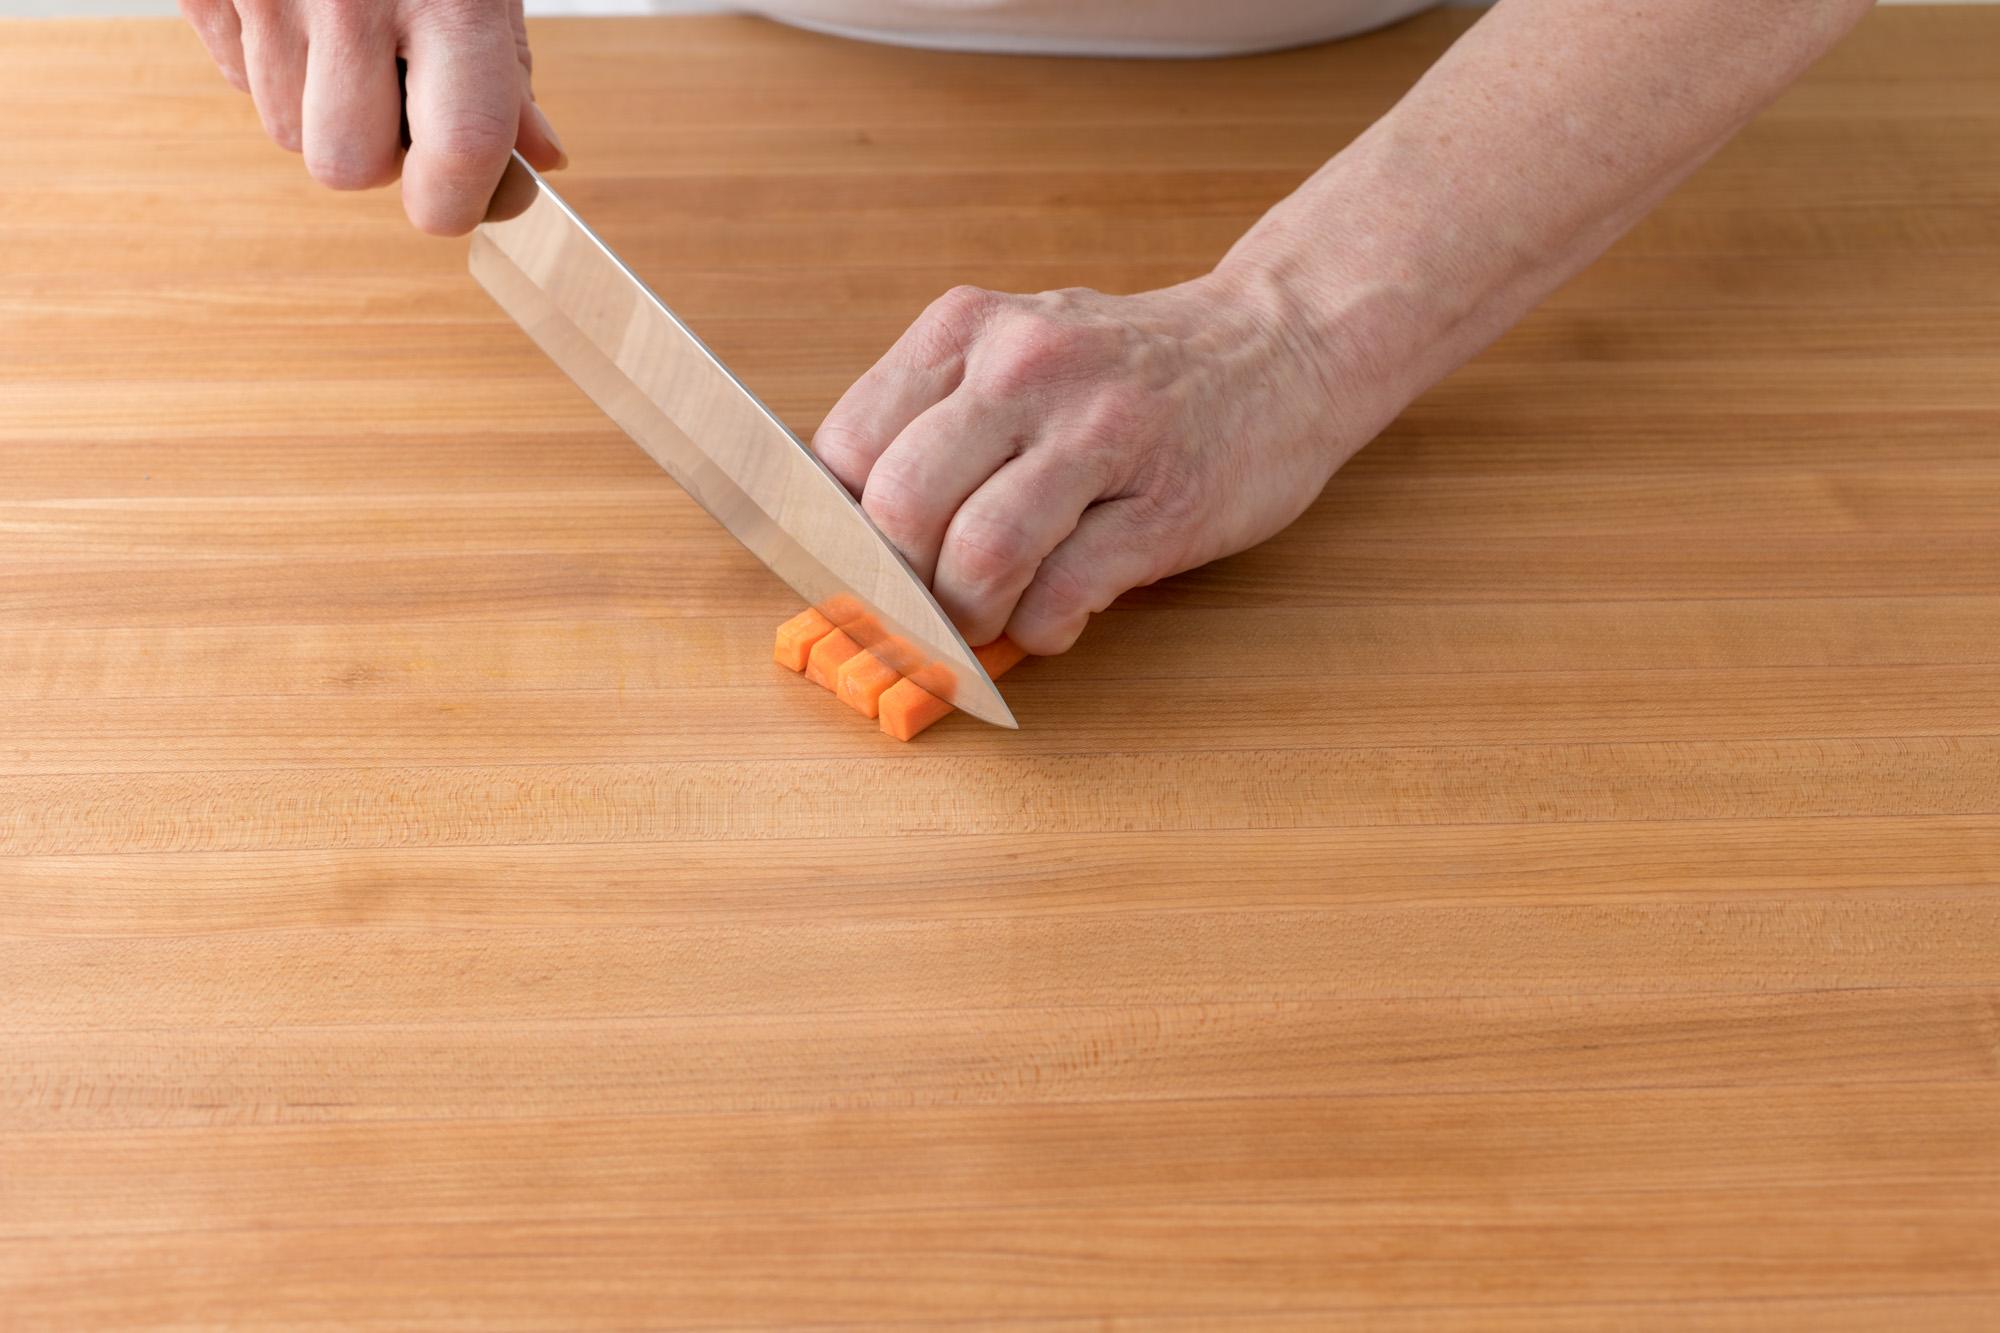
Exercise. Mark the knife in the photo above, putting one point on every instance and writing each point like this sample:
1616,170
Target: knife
641,363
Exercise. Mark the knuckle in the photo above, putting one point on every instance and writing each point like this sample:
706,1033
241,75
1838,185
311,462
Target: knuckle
988,554
345,167
835,438
1030,353
1107,438
844,450
1052,613
474,137
1042,637
1168,498
1118,412
456,15
1171,493
950,324
1165,524
897,508
346,16
1065,592
964,307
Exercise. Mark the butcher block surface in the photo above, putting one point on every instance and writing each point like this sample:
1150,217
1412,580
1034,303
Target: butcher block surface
1554,886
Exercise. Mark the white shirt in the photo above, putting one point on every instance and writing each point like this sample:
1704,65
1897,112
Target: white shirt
1068,27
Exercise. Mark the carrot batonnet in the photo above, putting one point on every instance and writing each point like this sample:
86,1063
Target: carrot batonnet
1000,656
797,636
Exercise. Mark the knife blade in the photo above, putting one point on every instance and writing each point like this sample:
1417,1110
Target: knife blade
639,362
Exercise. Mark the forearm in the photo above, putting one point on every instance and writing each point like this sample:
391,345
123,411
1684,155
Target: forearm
1546,132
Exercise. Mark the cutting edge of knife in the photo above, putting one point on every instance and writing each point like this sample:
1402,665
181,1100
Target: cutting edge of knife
1006,717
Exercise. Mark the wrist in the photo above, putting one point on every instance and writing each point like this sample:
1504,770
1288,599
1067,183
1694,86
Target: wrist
1359,336
1372,264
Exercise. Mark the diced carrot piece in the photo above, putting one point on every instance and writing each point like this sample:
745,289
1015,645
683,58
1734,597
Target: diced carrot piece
797,636
830,658
826,657
862,680
862,627
906,708
934,678
843,610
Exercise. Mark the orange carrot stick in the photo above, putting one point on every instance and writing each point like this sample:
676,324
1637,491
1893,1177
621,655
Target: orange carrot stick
797,636
861,682
906,707
826,657
1000,656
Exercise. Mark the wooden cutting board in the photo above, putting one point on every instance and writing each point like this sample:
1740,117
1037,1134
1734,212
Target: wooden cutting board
1553,886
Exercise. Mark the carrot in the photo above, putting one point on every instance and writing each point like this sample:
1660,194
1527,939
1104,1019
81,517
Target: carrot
861,682
826,657
937,678
842,608
848,613
906,707
797,636
1000,656
829,656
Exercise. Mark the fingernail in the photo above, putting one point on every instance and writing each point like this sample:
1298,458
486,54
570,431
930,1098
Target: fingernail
549,133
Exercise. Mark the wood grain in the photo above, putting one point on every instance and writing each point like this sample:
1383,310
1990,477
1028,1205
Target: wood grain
1555,886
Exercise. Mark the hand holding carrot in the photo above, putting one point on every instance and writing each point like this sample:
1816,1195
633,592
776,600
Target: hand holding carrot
1036,456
